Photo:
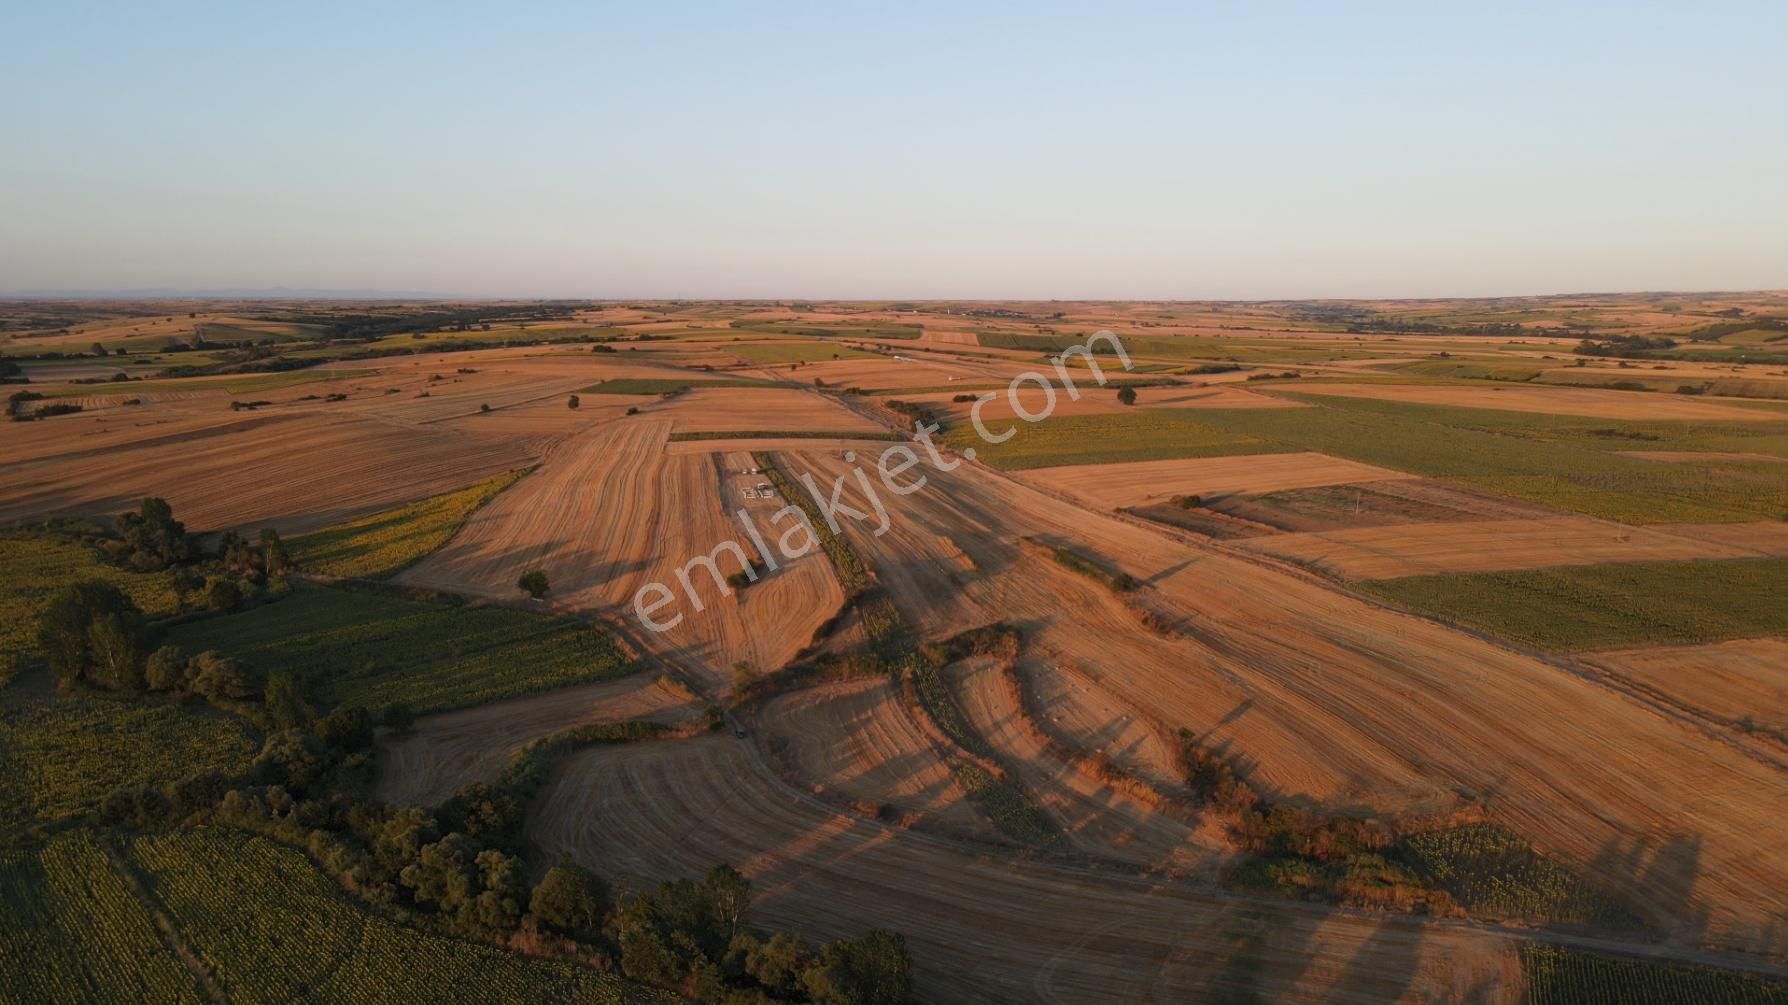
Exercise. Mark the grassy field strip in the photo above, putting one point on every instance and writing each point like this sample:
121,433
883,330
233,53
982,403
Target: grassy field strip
1575,608
372,649
384,544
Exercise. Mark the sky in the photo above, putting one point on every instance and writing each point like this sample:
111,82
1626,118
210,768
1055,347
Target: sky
1240,150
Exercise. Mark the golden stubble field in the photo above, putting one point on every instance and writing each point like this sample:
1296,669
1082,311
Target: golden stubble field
840,801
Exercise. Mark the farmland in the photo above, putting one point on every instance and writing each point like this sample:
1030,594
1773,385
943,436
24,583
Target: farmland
238,896
371,648
382,544
1352,658
1603,606
52,767
36,566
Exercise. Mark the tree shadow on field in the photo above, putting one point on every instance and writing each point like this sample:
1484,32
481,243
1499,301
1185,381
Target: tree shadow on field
1654,882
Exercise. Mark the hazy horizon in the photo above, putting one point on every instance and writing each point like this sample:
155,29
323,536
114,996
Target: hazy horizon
813,152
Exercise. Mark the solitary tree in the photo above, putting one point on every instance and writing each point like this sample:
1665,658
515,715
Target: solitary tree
93,630
1127,395
572,402
273,552
534,582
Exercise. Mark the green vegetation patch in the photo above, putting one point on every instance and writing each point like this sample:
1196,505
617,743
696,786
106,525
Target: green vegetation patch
271,927
74,932
1560,976
656,385
1186,347
1145,435
1493,873
372,649
1569,462
61,756
34,567
1469,369
1008,809
1573,608
384,543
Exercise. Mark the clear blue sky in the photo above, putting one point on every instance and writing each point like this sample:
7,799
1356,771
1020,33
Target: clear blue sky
901,150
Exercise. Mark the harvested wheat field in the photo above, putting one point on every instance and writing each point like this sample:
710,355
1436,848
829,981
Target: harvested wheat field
1097,820
730,445
608,513
1548,400
1004,404
1075,736
249,475
1338,701
745,410
855,744
984,929
1490,545
446,751
1139,483
1743,682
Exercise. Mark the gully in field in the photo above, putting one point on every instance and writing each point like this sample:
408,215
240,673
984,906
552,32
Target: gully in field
794,530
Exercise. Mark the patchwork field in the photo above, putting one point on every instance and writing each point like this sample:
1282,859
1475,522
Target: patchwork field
1354,661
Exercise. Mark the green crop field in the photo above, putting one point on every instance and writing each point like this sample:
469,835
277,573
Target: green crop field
1482,369
371,649
652,385
62,755
1233,350
1568,462
272,928
796,352
1143,435
74,932
1560,976
1601,606
384,543
33,567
